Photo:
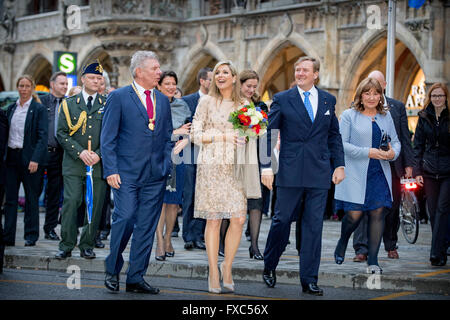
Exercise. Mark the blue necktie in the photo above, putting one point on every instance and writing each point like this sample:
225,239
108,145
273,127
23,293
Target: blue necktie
308,105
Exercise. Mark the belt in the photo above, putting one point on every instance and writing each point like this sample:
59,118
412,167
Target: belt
52,149
15,149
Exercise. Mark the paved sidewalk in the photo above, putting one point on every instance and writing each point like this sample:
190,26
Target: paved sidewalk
412,272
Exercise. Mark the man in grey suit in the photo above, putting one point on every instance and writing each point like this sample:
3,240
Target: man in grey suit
400,167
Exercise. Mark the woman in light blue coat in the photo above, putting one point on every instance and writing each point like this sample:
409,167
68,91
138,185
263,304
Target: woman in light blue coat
367,188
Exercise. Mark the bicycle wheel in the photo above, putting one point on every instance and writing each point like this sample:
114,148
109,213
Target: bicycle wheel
409,216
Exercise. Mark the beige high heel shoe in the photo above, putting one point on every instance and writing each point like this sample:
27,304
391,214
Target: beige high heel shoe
228,286
211,289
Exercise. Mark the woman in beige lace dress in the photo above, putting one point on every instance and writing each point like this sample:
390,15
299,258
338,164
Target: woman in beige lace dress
219,194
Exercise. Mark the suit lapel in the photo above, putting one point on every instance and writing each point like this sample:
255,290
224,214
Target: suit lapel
297,103
157,108
322,107
98,103
11,113
30,114
138,104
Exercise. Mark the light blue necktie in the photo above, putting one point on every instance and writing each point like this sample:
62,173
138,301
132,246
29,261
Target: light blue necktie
308,105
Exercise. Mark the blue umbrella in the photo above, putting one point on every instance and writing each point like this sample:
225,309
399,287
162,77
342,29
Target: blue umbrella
89,190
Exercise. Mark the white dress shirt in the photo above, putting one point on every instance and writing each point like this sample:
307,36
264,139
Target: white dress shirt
142,94
313,98
17,128
86,96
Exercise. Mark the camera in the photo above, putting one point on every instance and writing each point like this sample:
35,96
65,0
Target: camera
385,139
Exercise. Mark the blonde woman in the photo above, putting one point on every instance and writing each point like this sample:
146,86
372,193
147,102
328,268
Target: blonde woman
219,194
26,153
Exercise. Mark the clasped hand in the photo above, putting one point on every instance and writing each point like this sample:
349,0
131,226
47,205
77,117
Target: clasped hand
89,158
379,154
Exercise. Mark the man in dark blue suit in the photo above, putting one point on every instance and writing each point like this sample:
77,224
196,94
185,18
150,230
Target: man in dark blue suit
136,149
193,228
311,152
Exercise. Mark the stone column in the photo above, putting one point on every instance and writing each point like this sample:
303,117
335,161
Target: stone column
330,68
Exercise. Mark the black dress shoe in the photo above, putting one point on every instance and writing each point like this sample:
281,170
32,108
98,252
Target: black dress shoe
30,243
189,245
269,277
98,243
51,235
61,255
87,254
221,253
141,287
199,245
9,243
104,235
313,289
436,262
170,254
112,282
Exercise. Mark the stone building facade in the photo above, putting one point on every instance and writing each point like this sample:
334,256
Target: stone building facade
267,36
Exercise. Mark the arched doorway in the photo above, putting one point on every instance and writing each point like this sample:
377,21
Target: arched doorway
41,71
280,73
373,57
190,84
97,54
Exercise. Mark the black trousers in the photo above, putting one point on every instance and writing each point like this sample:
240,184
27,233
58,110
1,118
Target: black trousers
54,188
105,221
438,202
17,173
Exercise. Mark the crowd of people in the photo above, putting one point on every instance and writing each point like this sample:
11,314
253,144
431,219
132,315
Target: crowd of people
160,153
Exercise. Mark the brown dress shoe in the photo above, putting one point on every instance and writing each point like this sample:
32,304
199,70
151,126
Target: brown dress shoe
393,254
360,258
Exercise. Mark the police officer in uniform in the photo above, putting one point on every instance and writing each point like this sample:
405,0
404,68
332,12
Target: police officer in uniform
80,121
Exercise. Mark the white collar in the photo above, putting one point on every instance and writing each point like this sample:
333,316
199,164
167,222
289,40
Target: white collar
312,91
26,104
86,96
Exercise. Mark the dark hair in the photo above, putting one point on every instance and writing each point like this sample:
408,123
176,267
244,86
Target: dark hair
365,86
203,74
56,75
247,75
166,74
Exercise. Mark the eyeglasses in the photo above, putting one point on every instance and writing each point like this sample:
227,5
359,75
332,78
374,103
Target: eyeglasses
437,96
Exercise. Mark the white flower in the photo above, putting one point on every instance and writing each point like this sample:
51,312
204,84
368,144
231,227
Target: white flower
255,120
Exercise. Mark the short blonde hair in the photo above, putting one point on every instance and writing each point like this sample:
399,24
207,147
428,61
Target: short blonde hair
33,86
214,90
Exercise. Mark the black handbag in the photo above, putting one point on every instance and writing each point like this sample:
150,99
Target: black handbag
385,139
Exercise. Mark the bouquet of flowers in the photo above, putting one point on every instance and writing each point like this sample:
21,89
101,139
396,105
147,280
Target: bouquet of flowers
251,121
